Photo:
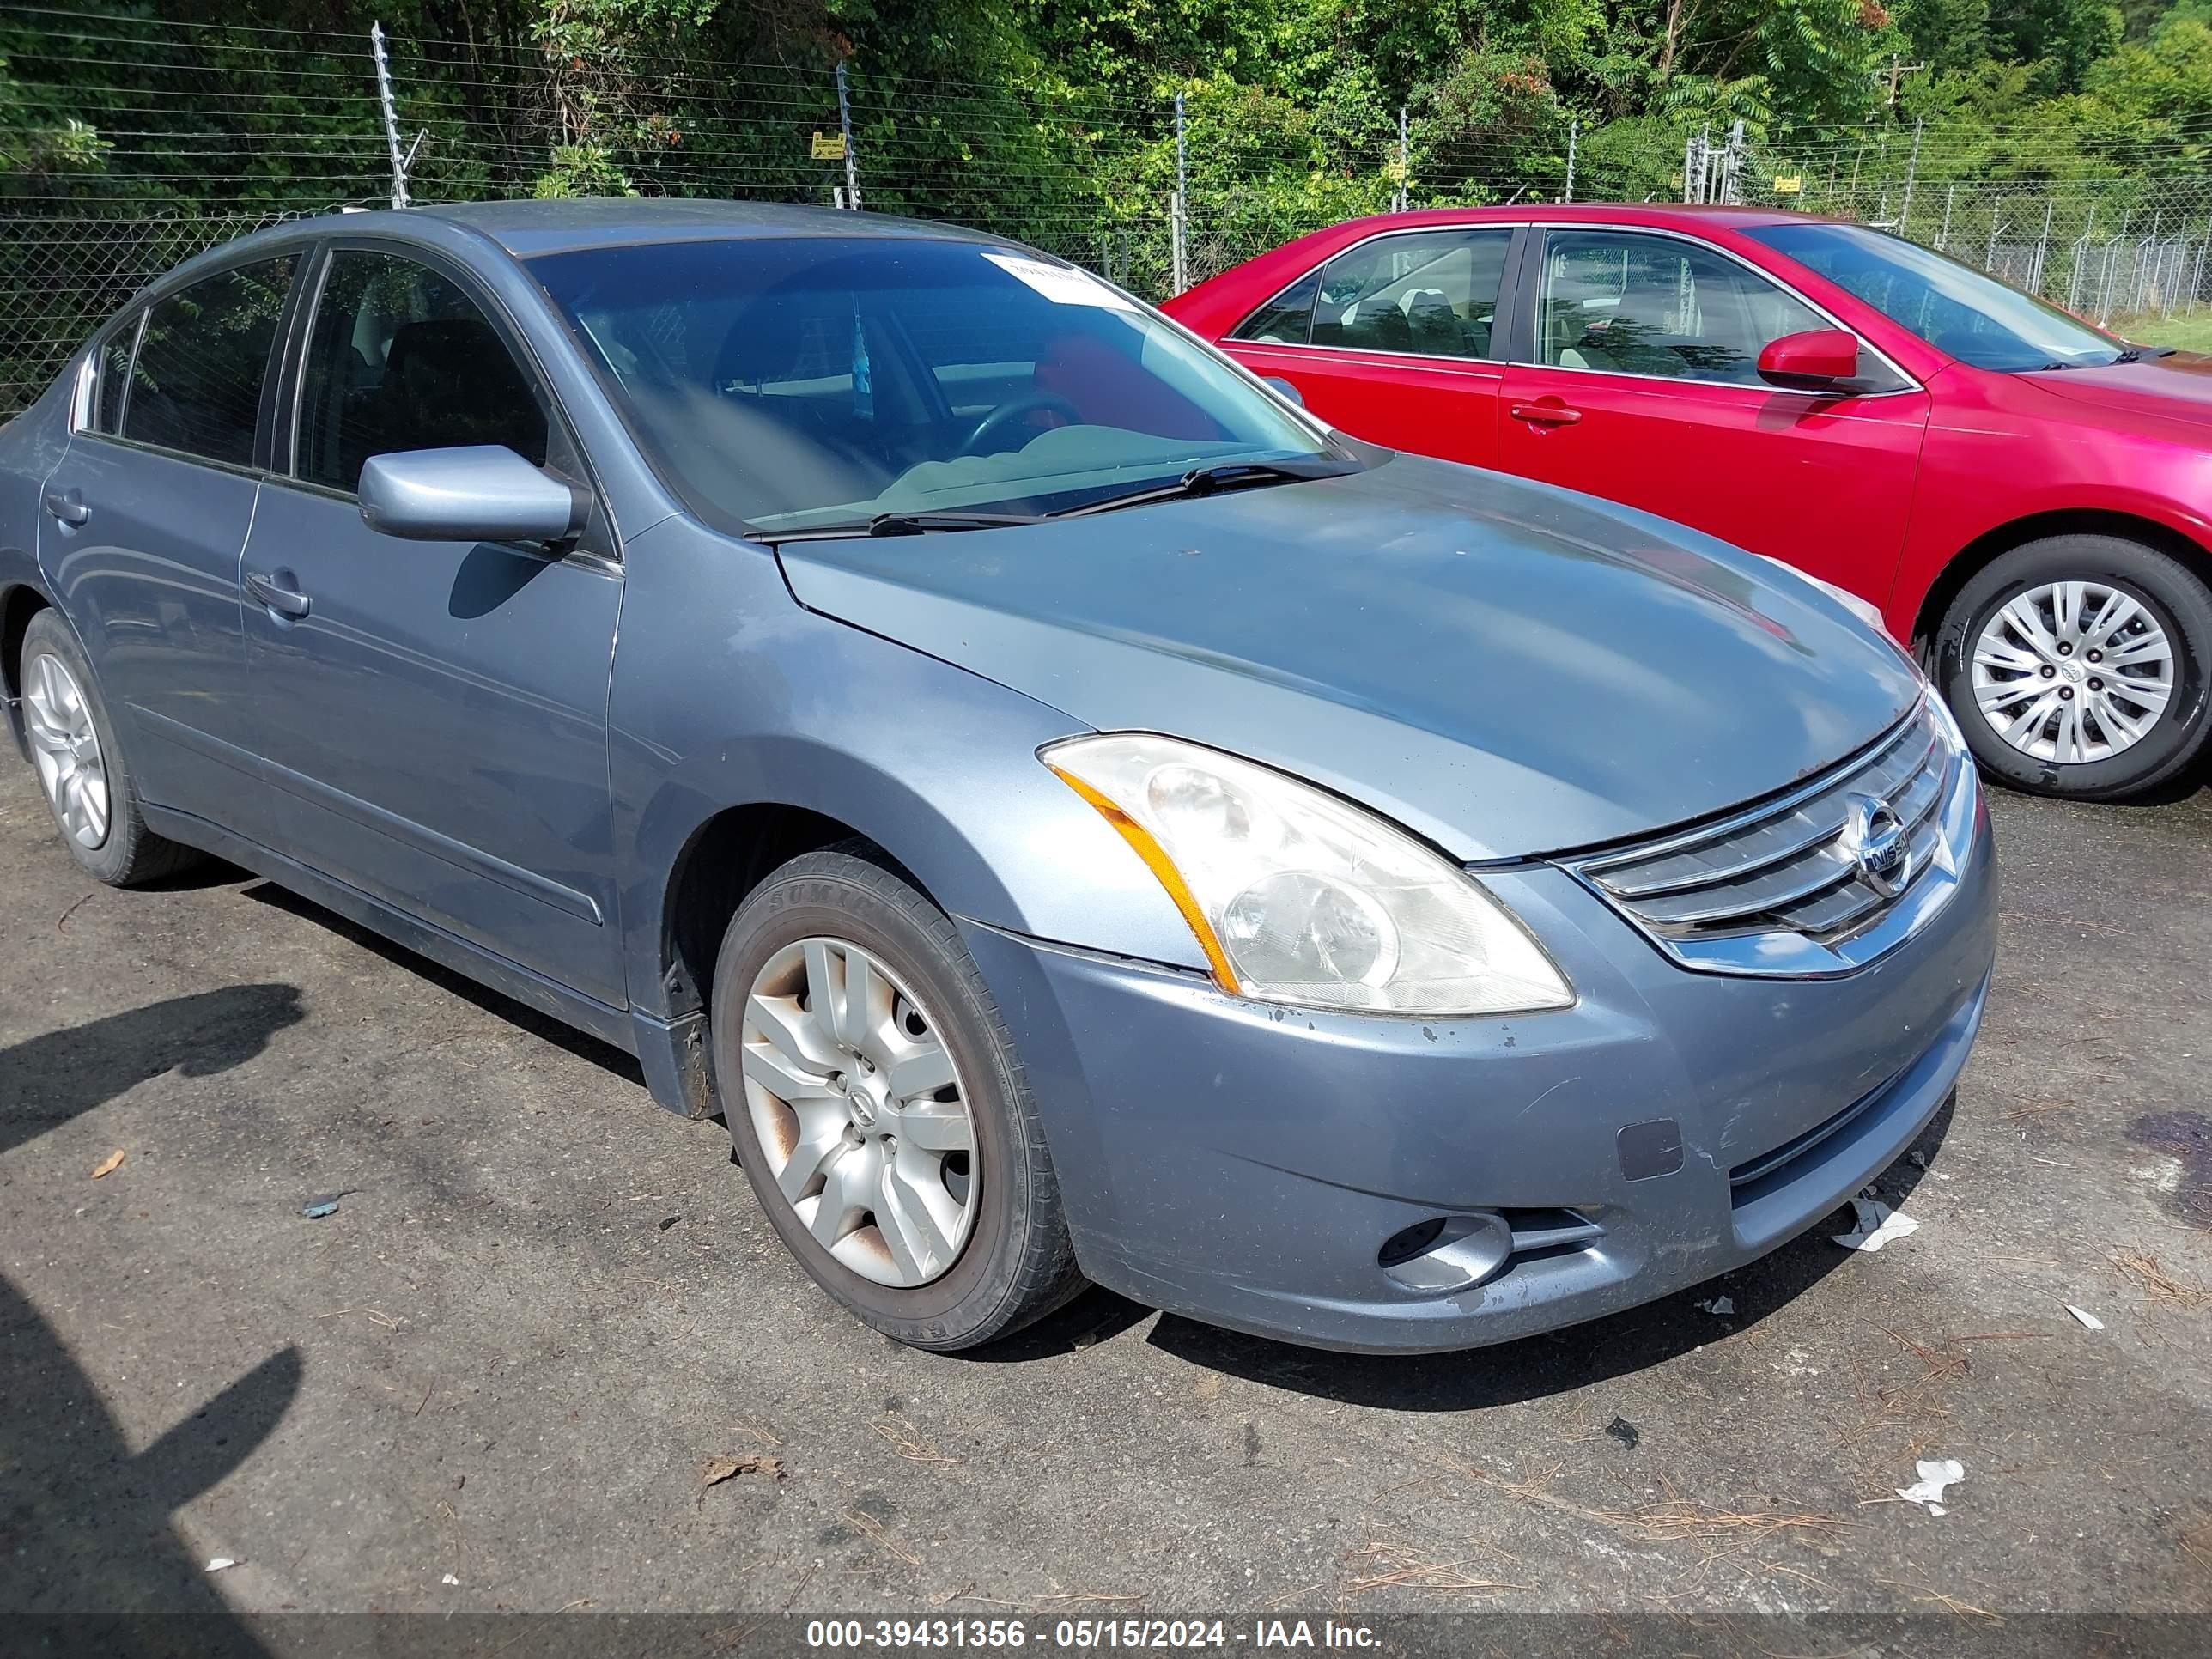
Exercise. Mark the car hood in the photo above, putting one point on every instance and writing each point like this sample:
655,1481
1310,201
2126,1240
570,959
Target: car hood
1502,667
2176,388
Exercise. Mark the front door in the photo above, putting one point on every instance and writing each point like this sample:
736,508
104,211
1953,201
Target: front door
1392,340
434,713
144,520
1639,382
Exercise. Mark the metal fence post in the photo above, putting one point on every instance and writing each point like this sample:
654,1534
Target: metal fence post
1689,167
2042,247
1911,167
390,120
1996,224
1574,131
845,126
1732,166
1405,164
1178,233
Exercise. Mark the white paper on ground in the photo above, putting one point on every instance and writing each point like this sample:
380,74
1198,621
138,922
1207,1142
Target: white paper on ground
1936,1473
1062,286
1720,1307
220,1562
1879,1224
2087,1319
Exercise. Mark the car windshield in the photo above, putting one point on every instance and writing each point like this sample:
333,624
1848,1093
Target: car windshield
787,383
1976,319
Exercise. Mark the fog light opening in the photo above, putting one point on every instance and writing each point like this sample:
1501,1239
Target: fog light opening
1446,1253
1405,1245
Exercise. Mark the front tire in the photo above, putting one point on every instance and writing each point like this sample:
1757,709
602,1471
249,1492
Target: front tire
2081,667
86,782
879,1110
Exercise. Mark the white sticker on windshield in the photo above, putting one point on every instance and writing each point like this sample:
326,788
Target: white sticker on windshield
1060,285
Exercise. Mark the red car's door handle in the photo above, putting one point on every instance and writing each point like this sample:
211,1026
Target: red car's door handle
1546,414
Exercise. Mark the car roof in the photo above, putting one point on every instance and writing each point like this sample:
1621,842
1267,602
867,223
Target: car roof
1732,215
526,229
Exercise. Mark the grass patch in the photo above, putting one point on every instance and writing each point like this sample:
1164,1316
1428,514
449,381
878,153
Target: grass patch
2184,333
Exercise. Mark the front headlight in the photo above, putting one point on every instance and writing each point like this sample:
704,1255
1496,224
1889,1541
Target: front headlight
1296,896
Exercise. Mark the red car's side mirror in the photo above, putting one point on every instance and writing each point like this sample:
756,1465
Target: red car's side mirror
1818,360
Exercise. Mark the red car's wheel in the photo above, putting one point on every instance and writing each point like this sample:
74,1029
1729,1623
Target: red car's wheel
2081,666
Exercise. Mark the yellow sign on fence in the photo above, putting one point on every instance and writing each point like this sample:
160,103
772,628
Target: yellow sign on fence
1789,186
828,146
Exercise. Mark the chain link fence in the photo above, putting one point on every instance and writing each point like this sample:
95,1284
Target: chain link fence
162,139
2135,248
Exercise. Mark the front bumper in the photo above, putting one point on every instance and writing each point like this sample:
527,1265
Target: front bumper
1245,1165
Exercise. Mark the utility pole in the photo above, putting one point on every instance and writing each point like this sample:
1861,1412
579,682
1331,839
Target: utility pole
845,126
1574,130
390,118
1897,72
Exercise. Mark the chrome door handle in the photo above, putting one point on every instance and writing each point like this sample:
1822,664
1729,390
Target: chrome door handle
68,509
1546,414
284,601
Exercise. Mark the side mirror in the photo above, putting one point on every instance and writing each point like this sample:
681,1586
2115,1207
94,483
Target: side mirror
481,493
1819,359
1286,389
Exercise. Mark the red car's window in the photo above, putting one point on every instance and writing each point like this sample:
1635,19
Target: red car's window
1431,293
1626,303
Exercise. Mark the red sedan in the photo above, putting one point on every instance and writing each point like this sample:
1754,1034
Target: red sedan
2026,499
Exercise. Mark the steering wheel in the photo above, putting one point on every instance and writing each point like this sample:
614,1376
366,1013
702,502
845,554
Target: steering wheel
1016,409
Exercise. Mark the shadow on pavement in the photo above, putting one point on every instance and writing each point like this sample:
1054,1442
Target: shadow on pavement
542,1026
84,1523
48,1080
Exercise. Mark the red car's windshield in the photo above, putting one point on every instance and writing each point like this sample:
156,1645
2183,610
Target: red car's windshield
1976,319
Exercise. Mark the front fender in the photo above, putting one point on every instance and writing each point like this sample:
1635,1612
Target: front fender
727,693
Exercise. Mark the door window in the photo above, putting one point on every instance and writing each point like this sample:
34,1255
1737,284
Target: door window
1630,304
1286,319
400,358
1433,294
114,377
196,386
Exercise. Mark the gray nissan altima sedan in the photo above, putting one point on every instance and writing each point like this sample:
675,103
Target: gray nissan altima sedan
1077,816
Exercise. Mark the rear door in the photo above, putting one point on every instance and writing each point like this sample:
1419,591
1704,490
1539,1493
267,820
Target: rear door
144,523
1635,377
1395,339
433,715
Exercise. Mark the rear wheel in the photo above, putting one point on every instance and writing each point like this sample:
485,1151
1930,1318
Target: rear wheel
878,1109
81,766
2081,667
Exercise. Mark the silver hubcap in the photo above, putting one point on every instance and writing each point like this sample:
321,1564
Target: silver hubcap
2073,671
66,749
860,1112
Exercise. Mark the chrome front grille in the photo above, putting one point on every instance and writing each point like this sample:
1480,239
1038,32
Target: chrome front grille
1760,891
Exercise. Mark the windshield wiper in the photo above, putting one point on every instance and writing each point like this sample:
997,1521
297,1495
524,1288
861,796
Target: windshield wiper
893,524
2137,353
1213,480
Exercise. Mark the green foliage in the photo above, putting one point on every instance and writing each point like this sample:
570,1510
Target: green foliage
1048,119
581,170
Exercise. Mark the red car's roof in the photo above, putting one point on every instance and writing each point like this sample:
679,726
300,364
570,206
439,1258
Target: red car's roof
1640,213
1241,285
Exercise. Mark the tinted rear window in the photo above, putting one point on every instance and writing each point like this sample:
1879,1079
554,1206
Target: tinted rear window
197,384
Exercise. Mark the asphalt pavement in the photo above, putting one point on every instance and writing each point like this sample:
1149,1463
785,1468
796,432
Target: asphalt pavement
543,1310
